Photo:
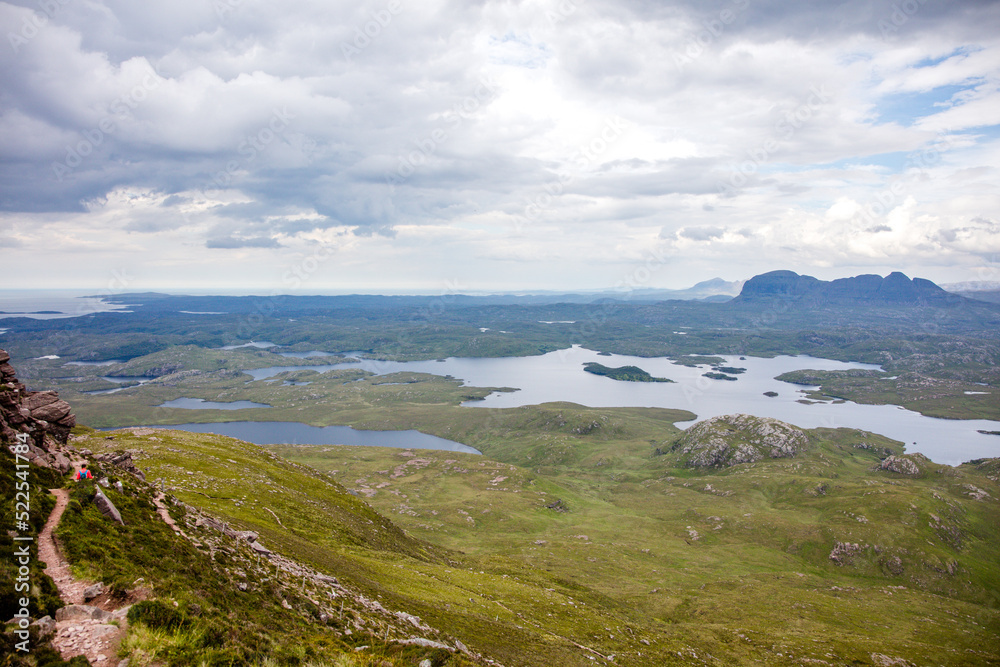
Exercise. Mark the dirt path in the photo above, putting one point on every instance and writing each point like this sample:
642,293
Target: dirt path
70,589
161,509
96,640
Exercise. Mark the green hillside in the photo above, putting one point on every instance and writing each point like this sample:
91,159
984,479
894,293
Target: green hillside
583,535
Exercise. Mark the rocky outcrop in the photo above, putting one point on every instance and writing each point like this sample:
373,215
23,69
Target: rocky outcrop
843,553
122,460
733,439
39,418
901,465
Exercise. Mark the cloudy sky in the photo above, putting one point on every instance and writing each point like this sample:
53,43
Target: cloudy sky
462,145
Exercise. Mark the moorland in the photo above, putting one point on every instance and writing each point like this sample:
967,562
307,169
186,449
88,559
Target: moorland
580,535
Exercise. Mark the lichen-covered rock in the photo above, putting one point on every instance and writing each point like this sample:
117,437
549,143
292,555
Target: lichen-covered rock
843,553
975,492
901,465
733,439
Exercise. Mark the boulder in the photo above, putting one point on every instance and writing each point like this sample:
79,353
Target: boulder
106,507
46,626
92,592
63,464
259,548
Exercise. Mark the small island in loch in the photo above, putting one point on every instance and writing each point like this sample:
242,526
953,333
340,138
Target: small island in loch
623,373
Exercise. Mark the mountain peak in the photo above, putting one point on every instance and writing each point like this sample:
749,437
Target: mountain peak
896,288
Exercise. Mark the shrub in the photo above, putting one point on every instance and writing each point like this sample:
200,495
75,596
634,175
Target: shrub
156,615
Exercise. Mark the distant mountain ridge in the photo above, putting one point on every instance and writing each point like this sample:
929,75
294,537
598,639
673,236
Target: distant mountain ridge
896,288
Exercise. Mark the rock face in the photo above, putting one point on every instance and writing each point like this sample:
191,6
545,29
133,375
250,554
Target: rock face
896,288
40,415
733,439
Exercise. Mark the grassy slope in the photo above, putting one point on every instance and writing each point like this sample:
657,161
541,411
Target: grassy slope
621,567
760,567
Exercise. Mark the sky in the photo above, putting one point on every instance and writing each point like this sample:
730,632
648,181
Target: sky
468,146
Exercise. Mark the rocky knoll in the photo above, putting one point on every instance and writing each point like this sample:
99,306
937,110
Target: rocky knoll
732,439
40,415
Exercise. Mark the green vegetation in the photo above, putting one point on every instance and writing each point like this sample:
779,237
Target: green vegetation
623,373
45,597
934,397
719,376
580,534
646,548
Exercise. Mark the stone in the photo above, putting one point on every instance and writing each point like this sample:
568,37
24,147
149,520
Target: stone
92,592
46,626
259,548
62,463
82,612
106,507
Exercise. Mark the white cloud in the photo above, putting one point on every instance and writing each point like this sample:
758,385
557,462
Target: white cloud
462,139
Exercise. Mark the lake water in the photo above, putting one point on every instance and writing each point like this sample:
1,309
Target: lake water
295,433
559,376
